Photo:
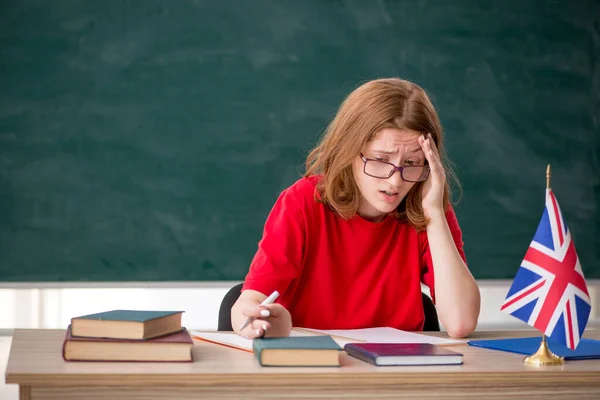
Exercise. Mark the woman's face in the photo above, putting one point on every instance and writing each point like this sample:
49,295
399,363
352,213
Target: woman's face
380,196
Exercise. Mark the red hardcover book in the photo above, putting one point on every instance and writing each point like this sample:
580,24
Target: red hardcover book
174,347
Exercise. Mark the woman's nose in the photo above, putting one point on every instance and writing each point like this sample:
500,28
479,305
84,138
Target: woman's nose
396,179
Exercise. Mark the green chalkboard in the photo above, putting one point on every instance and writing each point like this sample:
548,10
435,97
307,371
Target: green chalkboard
147,140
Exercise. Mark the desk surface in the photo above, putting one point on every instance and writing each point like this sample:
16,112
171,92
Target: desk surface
35,362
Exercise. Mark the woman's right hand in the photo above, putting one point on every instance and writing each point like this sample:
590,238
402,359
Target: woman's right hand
272,320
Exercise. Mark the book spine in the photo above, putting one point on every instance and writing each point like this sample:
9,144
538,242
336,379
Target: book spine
360,355
64,350
257,348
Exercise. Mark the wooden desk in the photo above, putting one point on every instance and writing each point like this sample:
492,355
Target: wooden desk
35,363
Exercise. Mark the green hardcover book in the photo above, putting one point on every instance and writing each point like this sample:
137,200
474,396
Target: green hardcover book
127,324
297,351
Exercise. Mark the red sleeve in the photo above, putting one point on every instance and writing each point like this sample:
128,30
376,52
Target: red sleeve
427,275
279,257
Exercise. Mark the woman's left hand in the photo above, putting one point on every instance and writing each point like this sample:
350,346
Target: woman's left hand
433,188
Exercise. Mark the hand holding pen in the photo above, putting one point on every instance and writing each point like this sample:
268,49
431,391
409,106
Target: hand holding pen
266,319
267,301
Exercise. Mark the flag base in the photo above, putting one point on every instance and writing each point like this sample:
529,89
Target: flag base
544,356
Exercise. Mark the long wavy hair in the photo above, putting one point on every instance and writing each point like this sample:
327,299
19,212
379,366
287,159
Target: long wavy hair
377,104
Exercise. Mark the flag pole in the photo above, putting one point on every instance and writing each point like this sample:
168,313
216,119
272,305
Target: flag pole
544,356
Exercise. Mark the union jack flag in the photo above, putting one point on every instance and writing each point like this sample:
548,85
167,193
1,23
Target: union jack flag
549,290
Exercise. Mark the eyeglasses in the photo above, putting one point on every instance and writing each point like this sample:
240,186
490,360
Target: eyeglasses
383,170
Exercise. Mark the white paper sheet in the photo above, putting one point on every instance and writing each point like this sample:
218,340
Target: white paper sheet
232,339
382,335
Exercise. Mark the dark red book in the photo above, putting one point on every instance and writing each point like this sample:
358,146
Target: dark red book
173,347
403,354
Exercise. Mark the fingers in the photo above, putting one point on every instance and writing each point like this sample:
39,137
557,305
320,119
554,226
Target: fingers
260,326
428,147
424,143
432,155
270,310
256,312
274,310
432,144
260,316
272,320
256,328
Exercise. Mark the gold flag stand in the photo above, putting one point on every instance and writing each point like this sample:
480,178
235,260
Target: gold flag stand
544,356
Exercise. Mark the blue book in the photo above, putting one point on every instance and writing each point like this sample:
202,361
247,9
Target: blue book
587,348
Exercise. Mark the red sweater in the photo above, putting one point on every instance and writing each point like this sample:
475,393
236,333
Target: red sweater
343,274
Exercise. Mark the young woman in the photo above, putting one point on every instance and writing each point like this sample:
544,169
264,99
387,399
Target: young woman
348,245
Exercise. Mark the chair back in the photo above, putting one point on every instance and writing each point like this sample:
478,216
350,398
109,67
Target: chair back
431,324
225,310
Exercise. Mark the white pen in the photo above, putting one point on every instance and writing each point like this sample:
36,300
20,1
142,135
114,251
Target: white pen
267,301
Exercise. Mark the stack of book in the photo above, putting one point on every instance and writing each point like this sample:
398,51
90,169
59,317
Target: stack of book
128,335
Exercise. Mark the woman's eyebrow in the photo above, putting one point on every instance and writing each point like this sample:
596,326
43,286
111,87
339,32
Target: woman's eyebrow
384,151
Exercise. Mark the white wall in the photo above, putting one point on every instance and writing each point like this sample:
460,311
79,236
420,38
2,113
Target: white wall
50,305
